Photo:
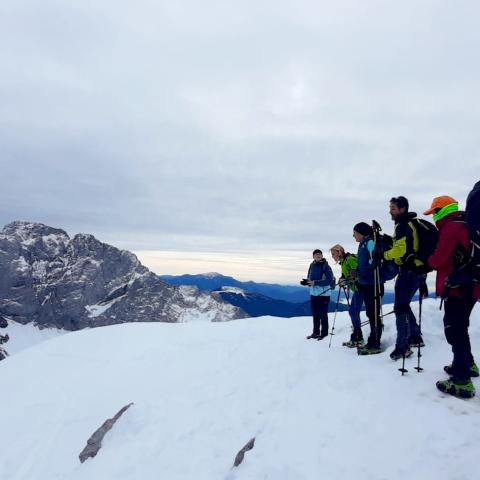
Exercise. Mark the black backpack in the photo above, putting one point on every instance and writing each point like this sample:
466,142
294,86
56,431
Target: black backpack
467,264
427,234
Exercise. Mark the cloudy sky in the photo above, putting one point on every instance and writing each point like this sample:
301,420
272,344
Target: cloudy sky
234,136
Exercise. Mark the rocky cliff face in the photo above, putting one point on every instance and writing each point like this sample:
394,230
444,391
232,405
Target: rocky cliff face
51,279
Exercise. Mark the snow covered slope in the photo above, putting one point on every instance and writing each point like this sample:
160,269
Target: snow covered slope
26,336
202,390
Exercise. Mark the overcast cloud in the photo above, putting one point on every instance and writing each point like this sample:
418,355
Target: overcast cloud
234,127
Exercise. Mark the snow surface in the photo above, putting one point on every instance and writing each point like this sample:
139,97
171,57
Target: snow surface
235,290
96,310
202,390
23,337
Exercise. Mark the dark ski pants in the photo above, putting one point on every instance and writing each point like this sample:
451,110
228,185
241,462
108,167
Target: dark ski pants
406,285
456,322
355,308
373,305
320,313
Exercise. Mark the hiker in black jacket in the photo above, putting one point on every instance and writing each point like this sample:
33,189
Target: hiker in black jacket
407,282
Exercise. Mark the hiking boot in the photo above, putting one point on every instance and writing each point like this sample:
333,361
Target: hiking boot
357,335
473,370
398,353
369,349
457,388
313,335
322,336
354,343
416,341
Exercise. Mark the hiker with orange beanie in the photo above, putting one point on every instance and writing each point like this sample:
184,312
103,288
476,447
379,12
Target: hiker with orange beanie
458,301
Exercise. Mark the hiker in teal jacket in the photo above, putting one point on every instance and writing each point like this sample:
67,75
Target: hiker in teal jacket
320,279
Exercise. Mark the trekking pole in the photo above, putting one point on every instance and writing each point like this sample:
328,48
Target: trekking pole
328,289
403,369
334,317
347,294
418,368
376,276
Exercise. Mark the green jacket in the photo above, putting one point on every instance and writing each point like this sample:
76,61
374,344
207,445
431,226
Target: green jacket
349,266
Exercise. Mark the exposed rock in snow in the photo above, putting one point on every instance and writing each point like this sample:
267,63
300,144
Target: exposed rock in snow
241,454
94,443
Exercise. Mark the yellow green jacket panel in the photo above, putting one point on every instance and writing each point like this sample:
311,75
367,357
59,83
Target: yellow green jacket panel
405,240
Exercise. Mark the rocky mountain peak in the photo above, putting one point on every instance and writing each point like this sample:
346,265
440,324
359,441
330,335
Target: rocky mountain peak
52,280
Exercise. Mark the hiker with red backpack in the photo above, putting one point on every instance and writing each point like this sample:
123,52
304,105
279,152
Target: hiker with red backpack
404,252
456,262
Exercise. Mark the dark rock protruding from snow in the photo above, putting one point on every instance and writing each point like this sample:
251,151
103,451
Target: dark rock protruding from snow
94,443
55,281
3,322
3,353
241,454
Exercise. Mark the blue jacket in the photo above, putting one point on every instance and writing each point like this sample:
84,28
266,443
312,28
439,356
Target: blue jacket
322,276
365,262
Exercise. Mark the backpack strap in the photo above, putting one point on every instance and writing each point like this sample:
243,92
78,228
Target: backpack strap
413,246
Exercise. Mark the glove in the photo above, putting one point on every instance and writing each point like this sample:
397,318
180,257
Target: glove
423,290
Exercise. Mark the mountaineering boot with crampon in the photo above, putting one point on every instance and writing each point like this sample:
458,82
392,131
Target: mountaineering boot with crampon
354,343
457,388
397,354
356,339
473,370
370,349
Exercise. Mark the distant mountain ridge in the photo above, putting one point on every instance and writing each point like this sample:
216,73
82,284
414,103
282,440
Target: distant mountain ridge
215,281
53,280
256,299
257,305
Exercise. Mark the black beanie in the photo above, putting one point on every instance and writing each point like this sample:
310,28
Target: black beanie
317,251
363,229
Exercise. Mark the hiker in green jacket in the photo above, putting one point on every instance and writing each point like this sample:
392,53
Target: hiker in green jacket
348,280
